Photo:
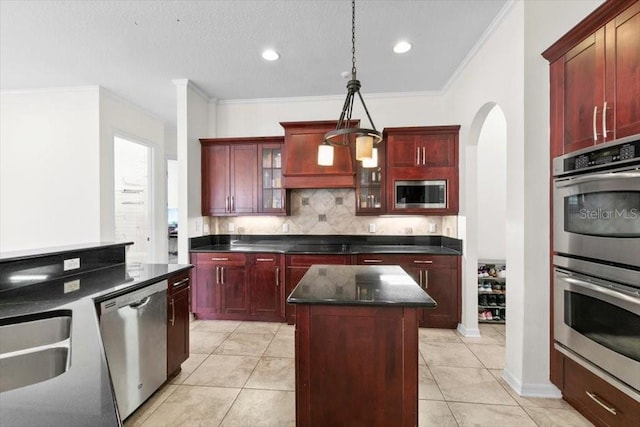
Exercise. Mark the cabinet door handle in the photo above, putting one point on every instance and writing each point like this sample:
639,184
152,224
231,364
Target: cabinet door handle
264,259
417,155
424,156
604,121
420,274
596,399
418,261
222,275
426,279
181,282
217,275
226,204
173,312
277,277
233,203
219,259
372,261
595,126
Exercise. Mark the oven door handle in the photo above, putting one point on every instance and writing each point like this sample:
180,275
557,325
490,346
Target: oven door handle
598,177
613,293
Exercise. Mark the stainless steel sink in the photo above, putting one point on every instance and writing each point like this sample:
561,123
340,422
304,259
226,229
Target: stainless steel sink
32,367
34,350
35,333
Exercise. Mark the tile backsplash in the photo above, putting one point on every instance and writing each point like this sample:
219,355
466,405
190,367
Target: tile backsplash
332,211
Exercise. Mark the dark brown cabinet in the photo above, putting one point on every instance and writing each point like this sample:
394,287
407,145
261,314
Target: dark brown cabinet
267,286
297,266
370,184
178,294
301,169
595,70
220,288
239,286
272,197
596,399
420,154
229,177
438,275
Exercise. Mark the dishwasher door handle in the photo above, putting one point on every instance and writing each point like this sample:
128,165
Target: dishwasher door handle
141,303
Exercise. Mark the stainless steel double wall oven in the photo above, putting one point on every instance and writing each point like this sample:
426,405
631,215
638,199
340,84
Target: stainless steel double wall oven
596,240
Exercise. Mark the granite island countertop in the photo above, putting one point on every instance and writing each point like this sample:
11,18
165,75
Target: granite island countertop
359,285
82,395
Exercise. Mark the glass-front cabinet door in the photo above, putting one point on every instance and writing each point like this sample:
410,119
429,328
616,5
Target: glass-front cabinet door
271,192
370,184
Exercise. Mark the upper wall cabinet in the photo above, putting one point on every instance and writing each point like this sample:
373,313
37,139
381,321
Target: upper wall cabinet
425,153
301,169
595,79
241,176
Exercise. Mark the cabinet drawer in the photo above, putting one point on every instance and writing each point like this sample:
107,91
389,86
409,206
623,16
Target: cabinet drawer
179,281
408,259
221,258
266,260
596,399
307,260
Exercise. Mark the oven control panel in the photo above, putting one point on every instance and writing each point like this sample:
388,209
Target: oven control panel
609,154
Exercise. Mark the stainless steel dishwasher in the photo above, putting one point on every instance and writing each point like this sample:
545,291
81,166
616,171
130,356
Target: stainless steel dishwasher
134,332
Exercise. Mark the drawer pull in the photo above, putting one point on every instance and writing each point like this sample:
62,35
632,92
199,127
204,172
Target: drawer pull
181,282
372,261
219,259
417,261
264,259
596,399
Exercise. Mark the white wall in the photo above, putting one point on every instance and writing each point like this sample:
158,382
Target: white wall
192,124
492,186
49,162
262,117
120,117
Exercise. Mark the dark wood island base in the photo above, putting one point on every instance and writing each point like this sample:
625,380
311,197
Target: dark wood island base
357,346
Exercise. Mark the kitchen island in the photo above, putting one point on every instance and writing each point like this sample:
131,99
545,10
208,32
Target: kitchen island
356,346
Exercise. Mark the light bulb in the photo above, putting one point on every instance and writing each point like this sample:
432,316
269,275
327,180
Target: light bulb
373,161
364,147
325,154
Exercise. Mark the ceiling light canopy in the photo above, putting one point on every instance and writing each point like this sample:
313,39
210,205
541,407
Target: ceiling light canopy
270,55
366,138
402,47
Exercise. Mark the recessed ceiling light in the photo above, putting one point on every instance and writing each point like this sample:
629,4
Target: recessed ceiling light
402,47
270,55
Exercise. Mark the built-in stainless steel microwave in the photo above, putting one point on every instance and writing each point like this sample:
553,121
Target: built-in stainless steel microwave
431,194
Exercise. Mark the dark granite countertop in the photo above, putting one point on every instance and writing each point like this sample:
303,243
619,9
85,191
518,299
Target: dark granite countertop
362,285
347,245
81,396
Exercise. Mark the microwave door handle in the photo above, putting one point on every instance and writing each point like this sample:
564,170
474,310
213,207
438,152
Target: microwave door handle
598,177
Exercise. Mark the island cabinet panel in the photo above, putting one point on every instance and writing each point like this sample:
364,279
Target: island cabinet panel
267,287
300,157
438,275
178,295
368,352
297,266
595,70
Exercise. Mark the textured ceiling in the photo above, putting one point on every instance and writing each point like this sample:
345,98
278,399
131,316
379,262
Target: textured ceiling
136,48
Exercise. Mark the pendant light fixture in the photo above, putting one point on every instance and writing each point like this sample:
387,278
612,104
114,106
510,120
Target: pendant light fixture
366,138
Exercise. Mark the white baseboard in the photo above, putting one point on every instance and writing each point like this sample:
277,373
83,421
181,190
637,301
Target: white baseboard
545,390
468,332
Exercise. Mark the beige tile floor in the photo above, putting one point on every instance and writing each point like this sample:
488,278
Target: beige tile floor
242,374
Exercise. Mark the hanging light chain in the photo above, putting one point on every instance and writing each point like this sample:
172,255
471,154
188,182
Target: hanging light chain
353,39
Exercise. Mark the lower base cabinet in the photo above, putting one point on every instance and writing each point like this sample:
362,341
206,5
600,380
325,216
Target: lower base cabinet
177,321
596,399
